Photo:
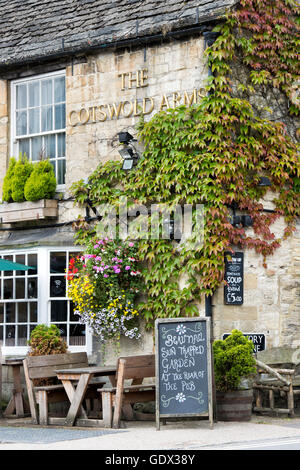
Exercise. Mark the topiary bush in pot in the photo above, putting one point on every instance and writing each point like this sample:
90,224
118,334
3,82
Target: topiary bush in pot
22,170
7,181
233,361
45,340
41,183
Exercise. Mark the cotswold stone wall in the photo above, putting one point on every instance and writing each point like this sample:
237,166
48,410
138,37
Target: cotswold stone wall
271,296
107,94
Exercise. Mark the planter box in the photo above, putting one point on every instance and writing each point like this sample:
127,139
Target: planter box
25,211
235,405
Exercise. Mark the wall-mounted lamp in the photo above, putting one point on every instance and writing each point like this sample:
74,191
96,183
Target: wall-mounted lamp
172,229
264,181
125,137
129,154
244,220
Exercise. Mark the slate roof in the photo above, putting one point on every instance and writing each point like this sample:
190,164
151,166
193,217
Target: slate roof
31,30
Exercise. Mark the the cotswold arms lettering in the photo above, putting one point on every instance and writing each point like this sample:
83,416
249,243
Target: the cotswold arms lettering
135,107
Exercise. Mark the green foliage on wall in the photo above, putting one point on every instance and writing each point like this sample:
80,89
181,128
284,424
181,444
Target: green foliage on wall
214,154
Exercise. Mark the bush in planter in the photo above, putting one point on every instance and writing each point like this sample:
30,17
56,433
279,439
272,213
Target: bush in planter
22,170
41,183
233,361
7,181
45,340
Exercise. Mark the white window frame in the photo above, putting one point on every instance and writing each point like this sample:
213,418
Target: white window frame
14,138
44,299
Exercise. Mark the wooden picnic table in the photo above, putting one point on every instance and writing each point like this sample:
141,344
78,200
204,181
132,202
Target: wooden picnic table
75,382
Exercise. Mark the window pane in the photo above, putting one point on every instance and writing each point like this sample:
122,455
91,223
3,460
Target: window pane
10,335
47,119
20,288
8,289
22,312
57,286
37,148
20,259
58,262
60,116
61,171
50,146
77,335
59,90
9,258
21,91
21,122
22,335
24,147
34,120
32,261
61,145
1,313
33,312
1,336
10,314
62,330
34,94
73,316
59,310
32,288
47,92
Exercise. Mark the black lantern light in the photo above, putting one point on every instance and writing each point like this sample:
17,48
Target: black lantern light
129,154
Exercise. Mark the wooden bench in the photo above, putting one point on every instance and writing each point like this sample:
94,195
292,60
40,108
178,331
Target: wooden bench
278,374
121,397
43,367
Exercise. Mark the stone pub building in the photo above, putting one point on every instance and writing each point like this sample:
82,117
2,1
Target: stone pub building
73,74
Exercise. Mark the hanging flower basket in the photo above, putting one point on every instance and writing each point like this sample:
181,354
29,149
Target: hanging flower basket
103,284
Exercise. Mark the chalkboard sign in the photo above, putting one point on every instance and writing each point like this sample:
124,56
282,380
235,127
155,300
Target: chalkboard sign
183,368
234,277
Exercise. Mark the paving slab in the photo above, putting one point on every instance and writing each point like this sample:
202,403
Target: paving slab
181,435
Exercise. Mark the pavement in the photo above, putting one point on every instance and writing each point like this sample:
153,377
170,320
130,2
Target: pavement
184,435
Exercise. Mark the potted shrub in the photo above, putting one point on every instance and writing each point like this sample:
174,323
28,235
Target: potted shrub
46,340
41,183
7,181
234,365
29,190
21,172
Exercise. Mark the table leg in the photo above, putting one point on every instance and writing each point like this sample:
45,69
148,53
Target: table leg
16,402
75,396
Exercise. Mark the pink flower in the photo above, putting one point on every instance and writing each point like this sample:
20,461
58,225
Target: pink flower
105,275
127,268
131,244
117,271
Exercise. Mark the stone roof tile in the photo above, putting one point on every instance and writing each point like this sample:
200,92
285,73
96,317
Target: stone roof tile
31,30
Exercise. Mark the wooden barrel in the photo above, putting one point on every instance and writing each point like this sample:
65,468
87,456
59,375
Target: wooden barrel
235,405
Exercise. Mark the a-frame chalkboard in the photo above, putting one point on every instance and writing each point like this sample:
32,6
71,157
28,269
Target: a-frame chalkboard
183,368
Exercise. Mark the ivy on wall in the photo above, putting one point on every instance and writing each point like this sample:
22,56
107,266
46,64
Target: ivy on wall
214,153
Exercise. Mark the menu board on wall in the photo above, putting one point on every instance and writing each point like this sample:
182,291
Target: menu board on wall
183,368
234,277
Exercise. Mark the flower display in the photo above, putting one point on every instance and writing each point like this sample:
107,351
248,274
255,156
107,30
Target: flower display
103,283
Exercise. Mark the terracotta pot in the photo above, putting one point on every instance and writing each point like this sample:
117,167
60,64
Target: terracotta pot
234,405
